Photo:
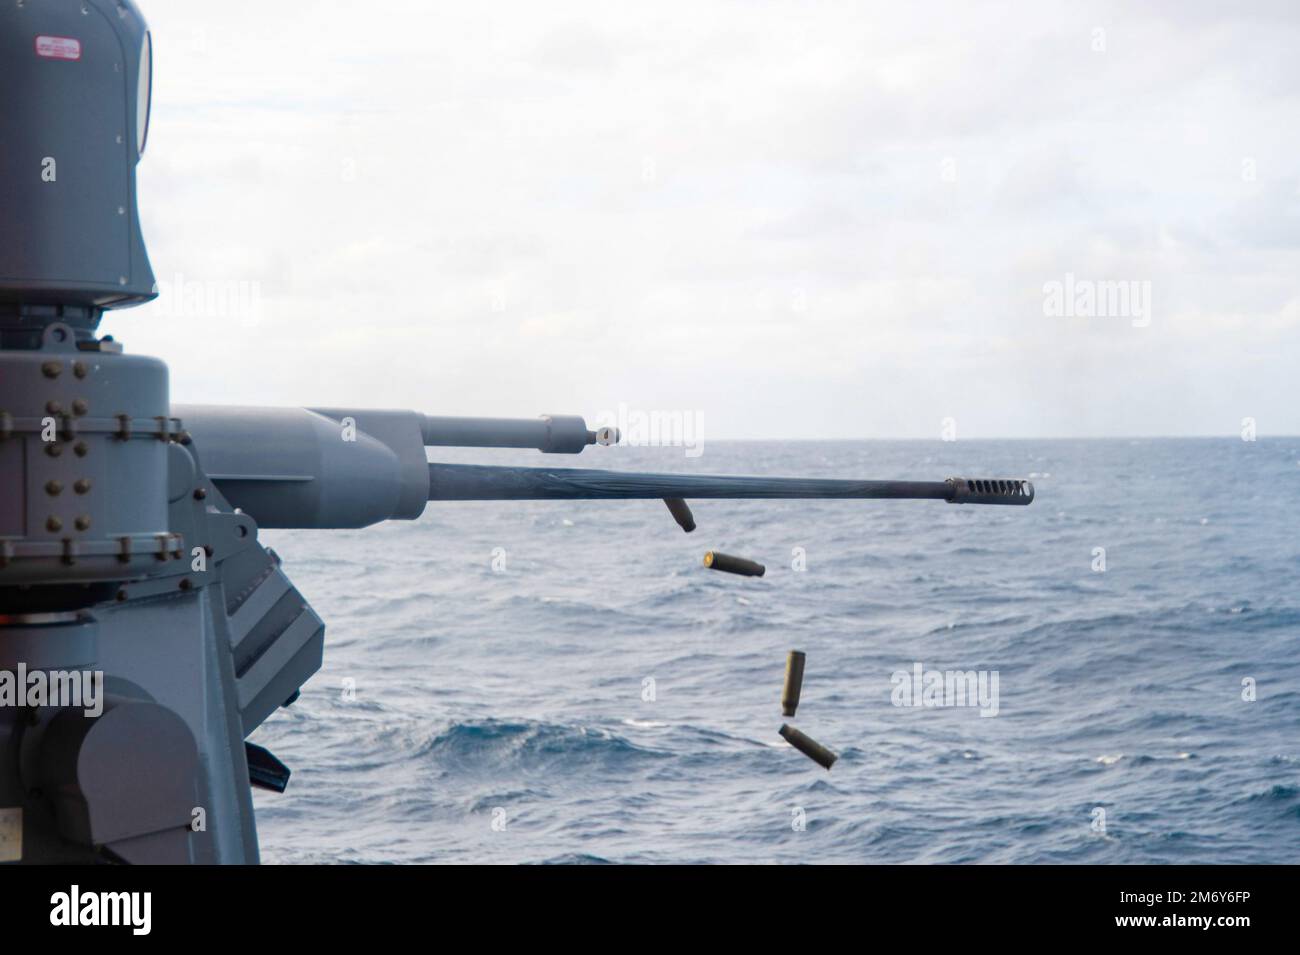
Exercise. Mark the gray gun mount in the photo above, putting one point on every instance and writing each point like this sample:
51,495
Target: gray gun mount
336,468
129,549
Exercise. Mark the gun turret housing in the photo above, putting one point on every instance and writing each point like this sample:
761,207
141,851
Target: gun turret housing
74,119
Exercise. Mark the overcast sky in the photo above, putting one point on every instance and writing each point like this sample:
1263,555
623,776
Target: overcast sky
797,219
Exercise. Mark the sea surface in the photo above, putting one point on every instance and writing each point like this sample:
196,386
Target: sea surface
603,697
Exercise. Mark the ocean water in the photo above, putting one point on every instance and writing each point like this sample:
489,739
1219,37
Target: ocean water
519,696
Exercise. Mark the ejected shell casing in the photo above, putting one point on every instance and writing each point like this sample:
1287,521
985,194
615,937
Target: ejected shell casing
793,682
733,565
681,513
808,746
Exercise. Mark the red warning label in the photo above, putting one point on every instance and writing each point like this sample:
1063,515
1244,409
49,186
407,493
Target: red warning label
58,47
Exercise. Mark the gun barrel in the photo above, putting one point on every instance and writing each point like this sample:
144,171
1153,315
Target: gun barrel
337,467
471,482
552,434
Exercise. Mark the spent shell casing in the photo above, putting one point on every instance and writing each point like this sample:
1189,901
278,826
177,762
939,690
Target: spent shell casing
681,513
793,682
808,746
733,565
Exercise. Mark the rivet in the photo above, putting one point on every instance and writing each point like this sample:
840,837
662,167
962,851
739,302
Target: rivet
51,369
79,406
82,485
53,524
81,448
53,488
82,522
200,493
53,449
53,407
79,369
186,583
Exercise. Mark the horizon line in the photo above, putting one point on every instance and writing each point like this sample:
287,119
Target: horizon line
1087,437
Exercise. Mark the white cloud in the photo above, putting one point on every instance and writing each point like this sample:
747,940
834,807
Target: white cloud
805,219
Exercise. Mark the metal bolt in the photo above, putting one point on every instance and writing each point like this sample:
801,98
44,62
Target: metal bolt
53,487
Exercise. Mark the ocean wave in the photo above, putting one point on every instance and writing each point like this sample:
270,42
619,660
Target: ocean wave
532,745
